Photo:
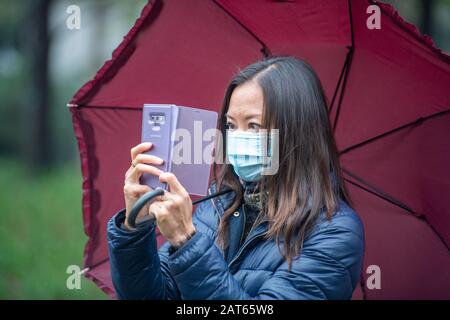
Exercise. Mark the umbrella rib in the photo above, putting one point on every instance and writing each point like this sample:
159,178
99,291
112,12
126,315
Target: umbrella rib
344,85
349,60
377,192
338,85
90,106
407,125
351,22
97,264
393,201
265,49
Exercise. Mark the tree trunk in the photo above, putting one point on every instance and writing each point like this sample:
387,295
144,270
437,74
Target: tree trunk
427,20
37,127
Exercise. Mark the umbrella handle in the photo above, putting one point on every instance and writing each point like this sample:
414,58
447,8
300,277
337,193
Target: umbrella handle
150,196
142,201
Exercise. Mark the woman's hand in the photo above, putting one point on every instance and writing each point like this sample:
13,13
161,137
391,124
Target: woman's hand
133,190
173,211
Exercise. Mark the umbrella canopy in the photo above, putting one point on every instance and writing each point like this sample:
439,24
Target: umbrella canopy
389,106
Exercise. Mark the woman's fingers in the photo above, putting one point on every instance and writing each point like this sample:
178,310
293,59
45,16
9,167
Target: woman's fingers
141,163
135,190
149,159
173,212
139,149
174,185
160,211
139,169
145,163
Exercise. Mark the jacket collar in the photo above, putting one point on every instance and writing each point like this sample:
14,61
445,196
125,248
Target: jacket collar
222,202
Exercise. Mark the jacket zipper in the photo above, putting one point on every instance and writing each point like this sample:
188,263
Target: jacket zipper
246,244
213,203
243,226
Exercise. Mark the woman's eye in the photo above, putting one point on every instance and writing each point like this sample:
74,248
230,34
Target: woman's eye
254,126
229,125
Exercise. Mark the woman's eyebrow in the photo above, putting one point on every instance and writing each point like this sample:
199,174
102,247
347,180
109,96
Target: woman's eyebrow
255,115
228,116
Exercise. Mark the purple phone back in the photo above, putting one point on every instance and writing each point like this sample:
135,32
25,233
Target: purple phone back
157,125
184,137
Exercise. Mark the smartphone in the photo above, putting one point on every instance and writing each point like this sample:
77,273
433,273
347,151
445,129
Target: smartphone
184,138
158,122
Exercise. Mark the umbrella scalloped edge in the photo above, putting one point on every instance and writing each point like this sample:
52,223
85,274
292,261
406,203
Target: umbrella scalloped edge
104,287
410,28
127,40
101,74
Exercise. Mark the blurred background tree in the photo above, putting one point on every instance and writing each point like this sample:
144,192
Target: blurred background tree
34,42
432,17
42,64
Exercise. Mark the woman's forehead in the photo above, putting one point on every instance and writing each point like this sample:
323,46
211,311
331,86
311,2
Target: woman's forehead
247,99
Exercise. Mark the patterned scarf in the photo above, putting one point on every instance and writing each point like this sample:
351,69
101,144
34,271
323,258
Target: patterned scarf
253,198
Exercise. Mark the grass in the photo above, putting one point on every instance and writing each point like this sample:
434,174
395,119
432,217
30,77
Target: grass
41,233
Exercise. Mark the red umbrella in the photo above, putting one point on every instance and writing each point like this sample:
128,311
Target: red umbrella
389,105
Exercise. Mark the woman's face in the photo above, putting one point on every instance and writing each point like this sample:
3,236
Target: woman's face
246,108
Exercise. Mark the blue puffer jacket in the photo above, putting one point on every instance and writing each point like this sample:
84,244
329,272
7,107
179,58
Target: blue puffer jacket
328,268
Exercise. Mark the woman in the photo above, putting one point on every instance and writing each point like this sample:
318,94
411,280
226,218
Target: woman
289,235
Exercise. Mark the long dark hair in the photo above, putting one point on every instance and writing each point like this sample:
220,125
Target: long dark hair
309,177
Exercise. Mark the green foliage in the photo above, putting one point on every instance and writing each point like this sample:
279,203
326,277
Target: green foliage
41,233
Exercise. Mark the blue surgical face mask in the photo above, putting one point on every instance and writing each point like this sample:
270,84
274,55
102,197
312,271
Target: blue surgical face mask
247,152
